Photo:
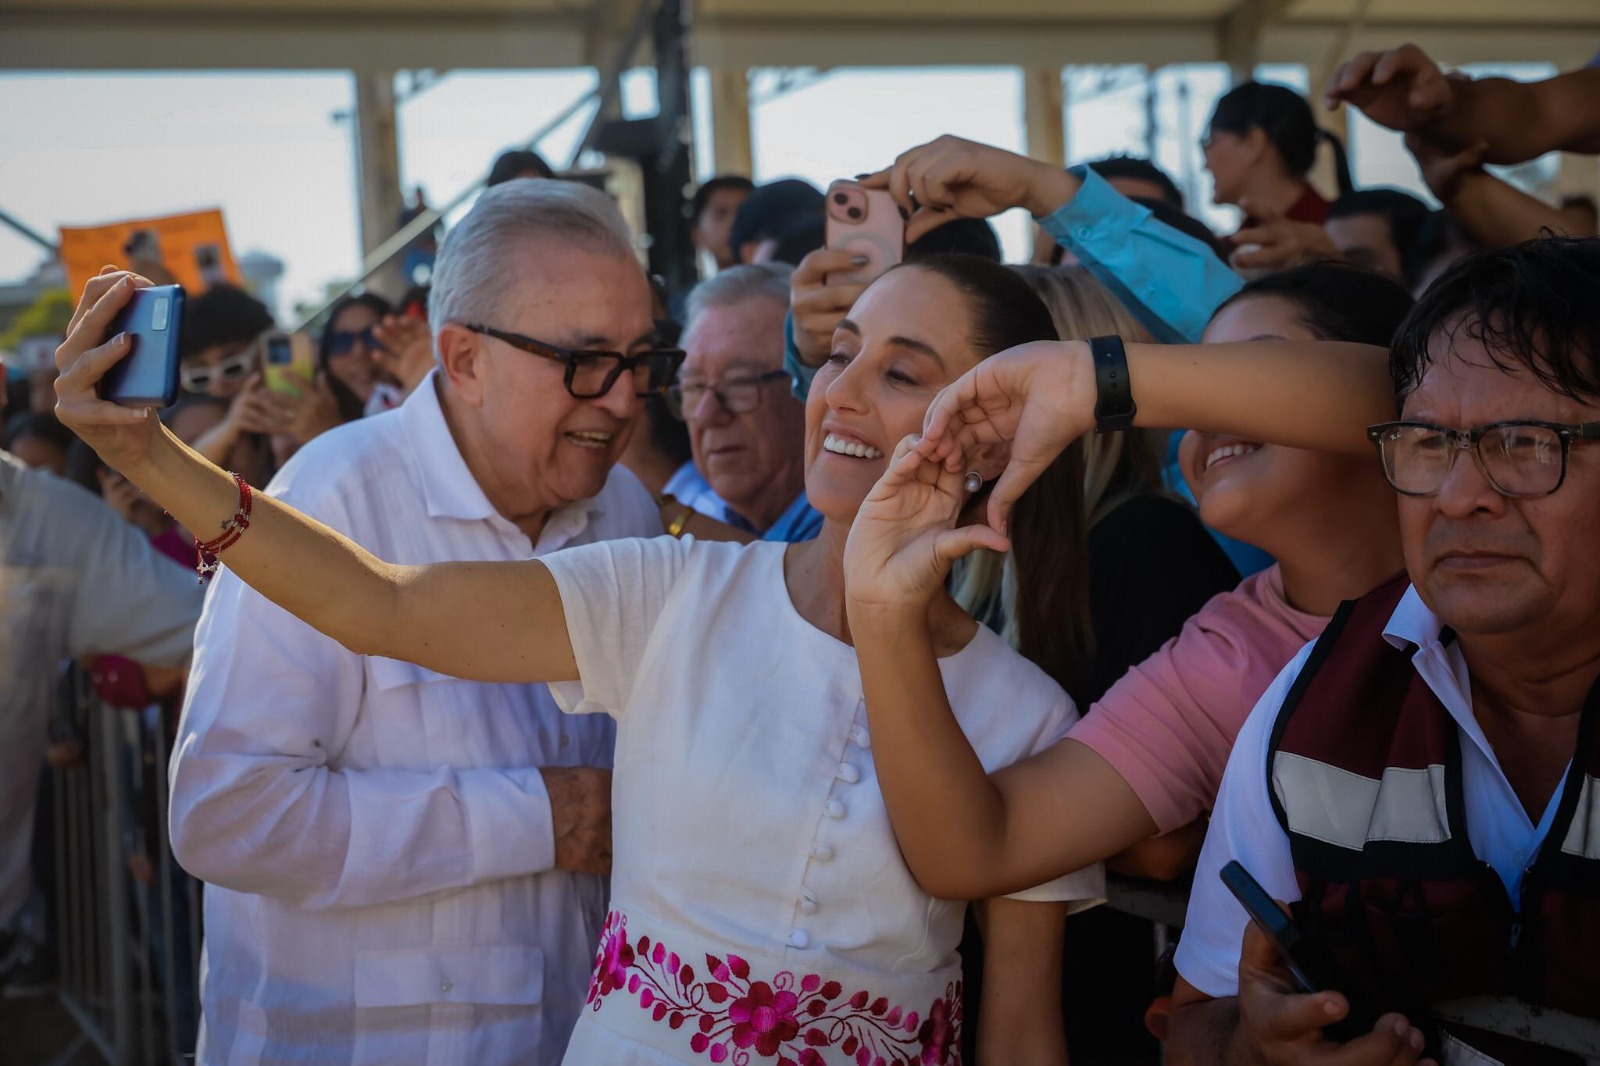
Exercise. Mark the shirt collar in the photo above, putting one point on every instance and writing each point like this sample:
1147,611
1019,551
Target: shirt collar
449,488
1412,624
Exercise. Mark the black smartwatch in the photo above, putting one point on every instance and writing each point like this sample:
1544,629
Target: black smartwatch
1114,407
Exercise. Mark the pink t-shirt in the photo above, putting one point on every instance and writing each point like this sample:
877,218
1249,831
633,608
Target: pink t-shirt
1168,725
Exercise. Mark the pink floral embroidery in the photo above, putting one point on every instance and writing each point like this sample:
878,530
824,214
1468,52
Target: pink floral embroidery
789,1019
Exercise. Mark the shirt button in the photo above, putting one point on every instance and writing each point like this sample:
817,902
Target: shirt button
860,735
848,774
1084,233
833,809
821,852
808,906
565,739
445,986
799,939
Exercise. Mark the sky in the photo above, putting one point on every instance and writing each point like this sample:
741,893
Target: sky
274,149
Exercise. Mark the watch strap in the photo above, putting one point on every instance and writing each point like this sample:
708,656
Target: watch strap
1114,407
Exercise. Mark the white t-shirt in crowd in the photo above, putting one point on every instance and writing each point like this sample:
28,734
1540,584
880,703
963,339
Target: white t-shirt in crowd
746,813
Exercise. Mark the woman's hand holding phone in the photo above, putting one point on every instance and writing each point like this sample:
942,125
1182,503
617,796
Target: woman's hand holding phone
952,177
122,436
818,306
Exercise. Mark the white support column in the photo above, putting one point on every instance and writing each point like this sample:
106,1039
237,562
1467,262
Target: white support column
731,149
1044,124
378,168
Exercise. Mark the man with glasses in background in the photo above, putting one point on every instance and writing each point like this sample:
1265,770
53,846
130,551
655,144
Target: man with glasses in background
403,867
1421,782
746,428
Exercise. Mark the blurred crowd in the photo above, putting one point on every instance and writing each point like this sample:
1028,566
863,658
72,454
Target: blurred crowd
1229,623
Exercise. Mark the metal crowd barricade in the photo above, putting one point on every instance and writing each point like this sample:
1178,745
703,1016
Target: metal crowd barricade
127,950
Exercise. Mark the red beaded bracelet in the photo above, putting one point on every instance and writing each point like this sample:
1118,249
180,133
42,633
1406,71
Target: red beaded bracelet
232,530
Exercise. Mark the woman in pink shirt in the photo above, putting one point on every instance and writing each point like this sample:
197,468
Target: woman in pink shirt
1148,757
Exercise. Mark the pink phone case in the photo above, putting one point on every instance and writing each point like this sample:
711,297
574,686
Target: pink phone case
867,223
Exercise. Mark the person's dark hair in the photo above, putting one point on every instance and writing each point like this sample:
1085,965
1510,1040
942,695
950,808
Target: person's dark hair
1405,214
1137,169
959,236
1531,305
41,425
720,183
1440,236
1048,528
1336,301
223,314
798,239
776,210
350,405
1285,117
517,164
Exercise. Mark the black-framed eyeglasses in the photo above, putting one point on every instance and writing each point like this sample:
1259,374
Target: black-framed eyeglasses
737,395
1519,458
591,375
343,341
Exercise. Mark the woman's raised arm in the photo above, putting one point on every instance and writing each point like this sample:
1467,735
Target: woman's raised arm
498,622
1040,397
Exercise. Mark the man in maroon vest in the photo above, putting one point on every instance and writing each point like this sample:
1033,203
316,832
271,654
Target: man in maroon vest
1423,783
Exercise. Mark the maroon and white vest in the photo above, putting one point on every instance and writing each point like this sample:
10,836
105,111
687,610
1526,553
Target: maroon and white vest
1364,770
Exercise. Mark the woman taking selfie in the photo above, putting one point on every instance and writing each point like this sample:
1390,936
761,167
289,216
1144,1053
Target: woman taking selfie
758,899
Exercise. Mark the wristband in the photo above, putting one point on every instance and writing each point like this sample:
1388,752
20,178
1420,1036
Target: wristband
1114,407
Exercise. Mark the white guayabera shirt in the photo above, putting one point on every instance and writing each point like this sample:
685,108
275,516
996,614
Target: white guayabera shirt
376,836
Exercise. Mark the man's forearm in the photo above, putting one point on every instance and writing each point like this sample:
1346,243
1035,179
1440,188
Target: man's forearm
1201,1034
1498,214
1522,120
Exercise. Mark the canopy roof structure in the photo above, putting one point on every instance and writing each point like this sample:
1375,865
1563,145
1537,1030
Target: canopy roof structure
738,34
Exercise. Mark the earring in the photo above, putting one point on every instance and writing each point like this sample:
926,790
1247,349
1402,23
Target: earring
973,482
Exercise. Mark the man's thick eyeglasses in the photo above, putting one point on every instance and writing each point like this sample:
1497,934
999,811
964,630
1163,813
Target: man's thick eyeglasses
737,396
1517,458
590,375
198,377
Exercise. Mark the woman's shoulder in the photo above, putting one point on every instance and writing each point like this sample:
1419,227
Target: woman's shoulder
991,684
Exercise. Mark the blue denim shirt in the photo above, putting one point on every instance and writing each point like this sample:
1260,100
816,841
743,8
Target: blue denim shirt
799,522
1171,282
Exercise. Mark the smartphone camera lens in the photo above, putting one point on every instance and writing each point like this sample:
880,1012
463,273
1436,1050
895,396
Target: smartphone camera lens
855,214
840,198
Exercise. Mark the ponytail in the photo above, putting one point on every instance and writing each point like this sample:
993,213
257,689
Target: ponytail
1341,161
1049,534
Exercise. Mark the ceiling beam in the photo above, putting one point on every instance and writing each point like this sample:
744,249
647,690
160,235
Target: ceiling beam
84,39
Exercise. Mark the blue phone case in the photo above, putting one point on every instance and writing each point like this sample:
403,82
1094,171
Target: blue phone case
148,375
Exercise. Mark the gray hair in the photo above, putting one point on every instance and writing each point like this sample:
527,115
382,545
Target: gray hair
737,285
473,269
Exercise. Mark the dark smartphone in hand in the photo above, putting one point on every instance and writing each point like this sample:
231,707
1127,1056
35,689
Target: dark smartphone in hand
148,375
1306,957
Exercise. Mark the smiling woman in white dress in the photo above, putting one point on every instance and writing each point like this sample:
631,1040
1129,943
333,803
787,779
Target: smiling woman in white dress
761,911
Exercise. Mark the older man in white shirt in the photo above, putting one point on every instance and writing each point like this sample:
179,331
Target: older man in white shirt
403,867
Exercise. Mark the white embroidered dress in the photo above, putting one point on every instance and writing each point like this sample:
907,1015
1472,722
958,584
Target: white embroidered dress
761,912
